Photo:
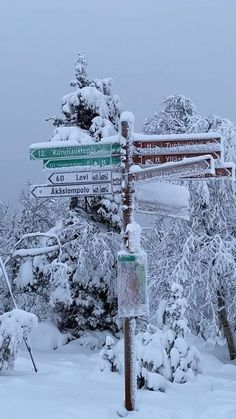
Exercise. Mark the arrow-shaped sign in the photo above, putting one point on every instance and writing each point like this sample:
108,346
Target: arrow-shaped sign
85,176
50,191
90,161
176,140
63,151
168,155
184,168
221,171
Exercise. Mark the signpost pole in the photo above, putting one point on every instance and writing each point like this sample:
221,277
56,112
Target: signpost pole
129,322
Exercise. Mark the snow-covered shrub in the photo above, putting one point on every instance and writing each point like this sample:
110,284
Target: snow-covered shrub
153,369
47,336
15,326
109,358
165,354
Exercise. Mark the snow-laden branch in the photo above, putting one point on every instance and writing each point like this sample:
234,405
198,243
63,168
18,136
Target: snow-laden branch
39,251
35,251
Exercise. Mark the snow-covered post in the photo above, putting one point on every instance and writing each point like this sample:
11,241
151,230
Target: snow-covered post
132,293
127,122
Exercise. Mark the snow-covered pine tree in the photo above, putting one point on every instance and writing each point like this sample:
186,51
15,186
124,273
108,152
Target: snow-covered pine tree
91,111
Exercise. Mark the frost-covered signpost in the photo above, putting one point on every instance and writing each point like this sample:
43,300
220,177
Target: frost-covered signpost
106,167
132,288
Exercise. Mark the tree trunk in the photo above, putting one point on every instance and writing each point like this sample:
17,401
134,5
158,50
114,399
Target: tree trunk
224,323
73,202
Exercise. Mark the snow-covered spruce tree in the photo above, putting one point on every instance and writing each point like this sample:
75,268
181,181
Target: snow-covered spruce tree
68,274
165,354
90,252
212,221
90,112
15,326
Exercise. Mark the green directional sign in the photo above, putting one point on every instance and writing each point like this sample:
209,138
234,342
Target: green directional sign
90,161
98,149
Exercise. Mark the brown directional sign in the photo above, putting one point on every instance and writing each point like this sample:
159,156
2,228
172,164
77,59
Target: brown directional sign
198,166
172,156
226,170
166,141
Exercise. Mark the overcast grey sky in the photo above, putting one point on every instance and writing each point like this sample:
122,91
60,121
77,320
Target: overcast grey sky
150,48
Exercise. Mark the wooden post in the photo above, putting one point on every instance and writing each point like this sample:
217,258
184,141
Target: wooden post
129,323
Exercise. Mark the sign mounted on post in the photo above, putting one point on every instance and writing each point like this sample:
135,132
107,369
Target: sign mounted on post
56,191
226,170
132,284
160,149
90,161
176,140
85,176
170,155
192,166
48,150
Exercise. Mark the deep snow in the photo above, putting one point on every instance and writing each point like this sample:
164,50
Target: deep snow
69,385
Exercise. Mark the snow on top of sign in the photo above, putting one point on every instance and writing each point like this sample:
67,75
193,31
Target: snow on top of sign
175,137
128,117
188,160
72,136
186,148
163,195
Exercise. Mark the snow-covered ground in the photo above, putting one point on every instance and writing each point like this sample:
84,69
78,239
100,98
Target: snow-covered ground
69,385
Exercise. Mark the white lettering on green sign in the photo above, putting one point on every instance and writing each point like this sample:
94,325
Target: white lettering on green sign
74,151
93,161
